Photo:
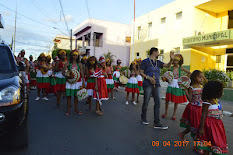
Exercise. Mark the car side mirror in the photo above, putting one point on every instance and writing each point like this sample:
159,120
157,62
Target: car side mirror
21,66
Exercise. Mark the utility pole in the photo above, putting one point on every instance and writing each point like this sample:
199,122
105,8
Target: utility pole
94,35
71,40
133,32
15,26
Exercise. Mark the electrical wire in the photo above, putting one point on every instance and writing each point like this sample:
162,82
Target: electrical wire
64,15
41,10
30,44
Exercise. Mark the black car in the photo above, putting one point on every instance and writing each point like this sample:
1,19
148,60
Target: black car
13,101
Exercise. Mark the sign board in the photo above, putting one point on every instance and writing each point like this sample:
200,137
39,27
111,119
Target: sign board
82,50
205,38
1,22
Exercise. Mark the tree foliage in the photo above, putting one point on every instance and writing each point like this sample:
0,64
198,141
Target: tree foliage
110,56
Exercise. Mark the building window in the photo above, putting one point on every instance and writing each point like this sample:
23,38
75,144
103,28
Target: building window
230,23
138,54
150,30
139,32
128,39
163,20
161,51
179,15
98,39
177,50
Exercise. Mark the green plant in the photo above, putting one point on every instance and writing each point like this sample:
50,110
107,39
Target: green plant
110,56
54,53
214,74
230,75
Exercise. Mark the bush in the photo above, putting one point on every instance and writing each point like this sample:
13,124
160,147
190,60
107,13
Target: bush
230,75
218,75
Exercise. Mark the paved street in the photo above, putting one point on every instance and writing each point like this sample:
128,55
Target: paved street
118,132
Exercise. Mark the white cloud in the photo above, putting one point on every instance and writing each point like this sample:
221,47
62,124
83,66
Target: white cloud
5,13
51,20
69,19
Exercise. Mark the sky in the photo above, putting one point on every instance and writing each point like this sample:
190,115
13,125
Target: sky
36,19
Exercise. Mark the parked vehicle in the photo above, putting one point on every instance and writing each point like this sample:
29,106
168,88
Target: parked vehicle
13,100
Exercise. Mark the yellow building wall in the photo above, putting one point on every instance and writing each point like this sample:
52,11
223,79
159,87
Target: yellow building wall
169,35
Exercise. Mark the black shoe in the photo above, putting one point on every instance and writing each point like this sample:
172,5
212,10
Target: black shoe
160,126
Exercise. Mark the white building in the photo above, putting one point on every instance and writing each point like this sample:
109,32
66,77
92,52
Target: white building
99,37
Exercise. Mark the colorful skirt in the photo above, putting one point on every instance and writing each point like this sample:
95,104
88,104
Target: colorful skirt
72,89
32,79
191,118
102,90
174,93
139,78
110,83
215,136
53,86
60,81
42,80
90,86
132,85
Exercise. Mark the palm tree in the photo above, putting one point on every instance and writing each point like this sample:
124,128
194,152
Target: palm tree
110,56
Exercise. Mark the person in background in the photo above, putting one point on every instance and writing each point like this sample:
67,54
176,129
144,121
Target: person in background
91,67
150,71
42,77
25,73
132,85
109,79
139,78
60,79
101,91
117,74
32,71
84,65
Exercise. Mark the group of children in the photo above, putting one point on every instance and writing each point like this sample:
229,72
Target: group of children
96,76
202,116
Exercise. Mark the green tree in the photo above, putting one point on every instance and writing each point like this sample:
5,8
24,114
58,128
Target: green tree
110,56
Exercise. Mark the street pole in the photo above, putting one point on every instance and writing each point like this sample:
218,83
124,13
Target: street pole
133,32
94,35
71,40
15,26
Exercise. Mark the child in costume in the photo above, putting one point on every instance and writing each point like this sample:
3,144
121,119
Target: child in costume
192,113
116,74
73,88
109,79
101,91
174,93
60,79
212,134
84,65
132,85
139,78
42,77
91,66
52,88
25,73
32,71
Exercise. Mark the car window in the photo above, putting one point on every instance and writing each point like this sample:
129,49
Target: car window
7,64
